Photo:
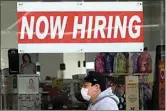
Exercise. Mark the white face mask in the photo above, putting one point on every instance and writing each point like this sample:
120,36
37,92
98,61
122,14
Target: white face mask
84,93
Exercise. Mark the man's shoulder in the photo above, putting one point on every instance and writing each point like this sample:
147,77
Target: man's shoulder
108,99
107,103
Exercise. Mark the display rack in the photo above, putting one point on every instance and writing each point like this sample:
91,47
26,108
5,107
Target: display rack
23,92
143,83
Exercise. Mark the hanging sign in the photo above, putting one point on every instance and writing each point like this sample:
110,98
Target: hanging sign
54,27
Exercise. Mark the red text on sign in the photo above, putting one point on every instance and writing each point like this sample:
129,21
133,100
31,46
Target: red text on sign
82,27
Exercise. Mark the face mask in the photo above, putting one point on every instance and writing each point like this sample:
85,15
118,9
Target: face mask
84,93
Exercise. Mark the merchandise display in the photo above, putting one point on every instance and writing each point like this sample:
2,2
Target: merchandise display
129,67
58,93
25,102
23,84
23,92
117,83
65,93
119,63
112,63
134,89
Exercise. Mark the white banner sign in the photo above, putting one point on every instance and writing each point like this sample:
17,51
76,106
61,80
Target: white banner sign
55,27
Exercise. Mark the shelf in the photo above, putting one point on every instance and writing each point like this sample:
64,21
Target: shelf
117,74
128,74
44,92
142,74
47,81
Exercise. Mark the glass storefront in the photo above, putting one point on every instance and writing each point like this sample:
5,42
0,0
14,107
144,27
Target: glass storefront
54,80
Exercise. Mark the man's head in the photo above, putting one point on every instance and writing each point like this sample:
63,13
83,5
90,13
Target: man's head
94,84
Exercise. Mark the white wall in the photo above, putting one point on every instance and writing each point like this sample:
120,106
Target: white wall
71,61
50,62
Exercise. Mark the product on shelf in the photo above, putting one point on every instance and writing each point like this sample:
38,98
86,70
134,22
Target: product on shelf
108,63
57,83
112,63
99,63
145,62
134,59
122,102
145,95
120,63
132,93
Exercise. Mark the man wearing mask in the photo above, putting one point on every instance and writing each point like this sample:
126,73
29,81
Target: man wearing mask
94,90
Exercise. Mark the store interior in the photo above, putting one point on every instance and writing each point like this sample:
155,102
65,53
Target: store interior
57,77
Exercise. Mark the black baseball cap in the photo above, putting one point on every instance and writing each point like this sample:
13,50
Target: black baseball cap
96,78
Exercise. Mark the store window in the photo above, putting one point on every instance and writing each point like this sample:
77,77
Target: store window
43,81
